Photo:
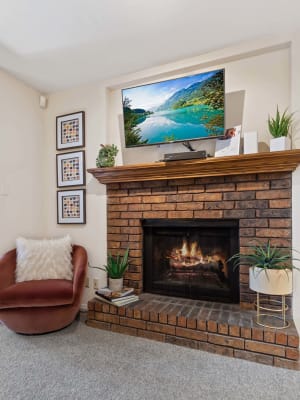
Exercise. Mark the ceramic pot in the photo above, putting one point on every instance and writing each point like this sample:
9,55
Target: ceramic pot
280,143
271,281
115,284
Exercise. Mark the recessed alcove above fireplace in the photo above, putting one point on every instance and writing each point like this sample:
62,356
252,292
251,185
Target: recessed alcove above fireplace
189,258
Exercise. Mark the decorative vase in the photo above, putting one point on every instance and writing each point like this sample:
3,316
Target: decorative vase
250,142
280,143
271,281
115,284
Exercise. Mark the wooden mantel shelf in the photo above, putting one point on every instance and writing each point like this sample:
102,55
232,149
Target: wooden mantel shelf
219,166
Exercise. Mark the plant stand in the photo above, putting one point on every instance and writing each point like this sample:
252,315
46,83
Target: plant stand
280,307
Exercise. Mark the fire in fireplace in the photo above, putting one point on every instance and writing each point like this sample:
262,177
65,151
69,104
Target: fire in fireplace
188,258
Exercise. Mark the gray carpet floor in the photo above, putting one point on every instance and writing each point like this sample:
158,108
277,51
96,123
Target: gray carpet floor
86,363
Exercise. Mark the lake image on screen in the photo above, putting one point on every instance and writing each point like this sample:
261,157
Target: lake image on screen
179,109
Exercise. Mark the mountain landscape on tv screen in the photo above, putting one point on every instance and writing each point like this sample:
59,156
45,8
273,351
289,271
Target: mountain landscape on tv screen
180,109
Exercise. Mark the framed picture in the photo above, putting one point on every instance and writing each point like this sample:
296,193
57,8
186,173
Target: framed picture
230,144
71,206
70,130
70,169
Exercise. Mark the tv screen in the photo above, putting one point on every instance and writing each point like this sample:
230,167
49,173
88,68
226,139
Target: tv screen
182,109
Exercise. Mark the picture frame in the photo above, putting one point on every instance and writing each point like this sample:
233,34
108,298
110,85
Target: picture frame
70,130
71,206
230,144
70,169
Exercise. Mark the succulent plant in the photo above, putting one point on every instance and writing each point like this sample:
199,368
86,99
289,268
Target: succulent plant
266,257
281,124
117,265
106,155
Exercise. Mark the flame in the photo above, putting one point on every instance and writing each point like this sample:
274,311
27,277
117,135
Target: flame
194,250
185,250
191,255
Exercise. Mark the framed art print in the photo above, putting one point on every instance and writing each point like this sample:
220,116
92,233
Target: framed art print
71,206
70,169
70,130
230,144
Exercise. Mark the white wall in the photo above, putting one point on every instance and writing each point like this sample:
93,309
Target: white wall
21,162
295,101
92,235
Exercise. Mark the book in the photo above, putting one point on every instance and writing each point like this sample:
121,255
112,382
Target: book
110,295
118,302
123,298
125,301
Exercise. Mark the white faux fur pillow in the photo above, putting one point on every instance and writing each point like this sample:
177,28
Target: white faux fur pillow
44,259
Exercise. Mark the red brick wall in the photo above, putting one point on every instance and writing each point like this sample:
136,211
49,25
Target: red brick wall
261,202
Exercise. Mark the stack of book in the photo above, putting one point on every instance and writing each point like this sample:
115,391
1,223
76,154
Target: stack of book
118,299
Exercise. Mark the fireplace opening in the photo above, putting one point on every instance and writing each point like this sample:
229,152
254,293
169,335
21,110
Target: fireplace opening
189,258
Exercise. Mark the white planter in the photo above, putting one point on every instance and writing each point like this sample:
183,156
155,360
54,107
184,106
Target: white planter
115,284
281,143
271,281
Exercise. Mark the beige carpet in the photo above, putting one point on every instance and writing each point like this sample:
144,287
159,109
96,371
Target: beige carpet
86,363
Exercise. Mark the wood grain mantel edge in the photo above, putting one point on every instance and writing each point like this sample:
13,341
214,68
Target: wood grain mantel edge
215,166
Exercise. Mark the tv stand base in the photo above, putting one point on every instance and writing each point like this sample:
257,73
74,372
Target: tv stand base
187,155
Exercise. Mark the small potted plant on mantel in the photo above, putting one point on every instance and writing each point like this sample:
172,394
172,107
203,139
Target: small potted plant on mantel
107,155
279,128
116,267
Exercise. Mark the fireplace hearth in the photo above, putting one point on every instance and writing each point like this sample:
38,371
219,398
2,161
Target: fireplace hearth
188,258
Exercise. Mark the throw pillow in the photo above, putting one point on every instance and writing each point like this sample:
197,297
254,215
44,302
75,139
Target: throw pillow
44,259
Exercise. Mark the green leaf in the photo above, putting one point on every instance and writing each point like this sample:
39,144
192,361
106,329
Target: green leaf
116,266
266,257
281,124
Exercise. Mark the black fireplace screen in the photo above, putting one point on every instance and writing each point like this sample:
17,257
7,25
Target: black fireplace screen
189,258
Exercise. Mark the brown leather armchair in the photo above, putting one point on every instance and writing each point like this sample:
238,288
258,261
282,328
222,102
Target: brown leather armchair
40,306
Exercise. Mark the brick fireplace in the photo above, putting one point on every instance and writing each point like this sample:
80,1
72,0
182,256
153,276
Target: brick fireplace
255,192
260,202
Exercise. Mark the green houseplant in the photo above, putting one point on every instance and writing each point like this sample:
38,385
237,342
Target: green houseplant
270,269
116,267
106,156
279,128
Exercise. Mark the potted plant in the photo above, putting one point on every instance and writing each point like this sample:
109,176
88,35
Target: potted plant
270,269
279,128
116,267
106,156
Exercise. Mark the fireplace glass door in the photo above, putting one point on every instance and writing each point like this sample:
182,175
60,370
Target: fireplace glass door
189,258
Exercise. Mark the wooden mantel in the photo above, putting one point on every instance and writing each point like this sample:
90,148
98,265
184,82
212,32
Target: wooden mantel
219,166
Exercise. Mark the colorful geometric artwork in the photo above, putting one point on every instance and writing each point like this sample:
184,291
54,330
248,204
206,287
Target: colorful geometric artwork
71,206
70,131
70,169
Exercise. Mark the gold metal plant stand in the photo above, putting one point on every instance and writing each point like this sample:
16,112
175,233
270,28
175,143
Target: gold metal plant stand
279,307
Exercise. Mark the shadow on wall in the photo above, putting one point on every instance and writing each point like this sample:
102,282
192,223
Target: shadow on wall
234,109
94,187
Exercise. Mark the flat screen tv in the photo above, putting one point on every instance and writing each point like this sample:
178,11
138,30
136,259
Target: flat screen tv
175,110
